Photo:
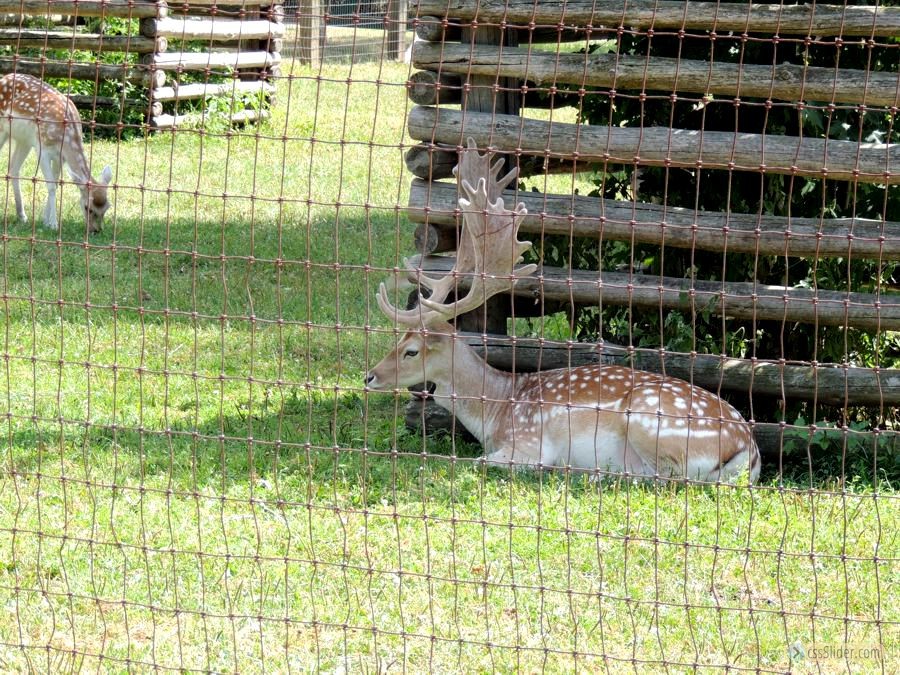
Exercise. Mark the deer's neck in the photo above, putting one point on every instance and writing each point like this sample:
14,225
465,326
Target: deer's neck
74,159
476,393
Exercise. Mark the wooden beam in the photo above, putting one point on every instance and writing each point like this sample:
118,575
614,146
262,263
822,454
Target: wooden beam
733,300
80,71
212,60
772,438
809,19
661,146
88,103
221,5
194,91
426,87
434,29
198,119
430,88
95,42
436,204
430,162
617,71
212,30
126,9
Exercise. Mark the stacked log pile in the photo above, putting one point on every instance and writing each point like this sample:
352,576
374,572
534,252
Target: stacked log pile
489,49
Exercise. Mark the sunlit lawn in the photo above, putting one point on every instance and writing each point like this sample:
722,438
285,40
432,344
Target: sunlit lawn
194,478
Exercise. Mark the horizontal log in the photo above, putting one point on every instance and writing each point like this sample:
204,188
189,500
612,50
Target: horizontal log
212,60
426,87
193,91
433,29
95,42
87,102
126,9
824,383
773,438
230,5
661,146
80,71
431,239
579,216
430,162
618,71
212,30
430,88
190,10
197,119
809,19
734,300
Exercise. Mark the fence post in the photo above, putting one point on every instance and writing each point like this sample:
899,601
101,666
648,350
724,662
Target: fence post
396,28
309,25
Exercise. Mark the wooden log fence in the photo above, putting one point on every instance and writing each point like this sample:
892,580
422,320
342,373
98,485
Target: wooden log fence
194,91
238,39
660,146
122,9
81,71
434,205
734,300
457,67
209,30
96,42
669,15
617,71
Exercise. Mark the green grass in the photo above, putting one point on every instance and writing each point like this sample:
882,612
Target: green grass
189,488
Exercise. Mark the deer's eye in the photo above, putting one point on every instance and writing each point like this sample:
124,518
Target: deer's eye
409,353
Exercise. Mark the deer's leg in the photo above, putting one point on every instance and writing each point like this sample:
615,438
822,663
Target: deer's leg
508,458
16,159
52,178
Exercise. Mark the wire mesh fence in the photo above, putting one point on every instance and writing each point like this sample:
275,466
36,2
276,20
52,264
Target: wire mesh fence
348,31
213,458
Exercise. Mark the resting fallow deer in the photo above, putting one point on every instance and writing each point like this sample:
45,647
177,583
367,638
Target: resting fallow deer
34,115
603,418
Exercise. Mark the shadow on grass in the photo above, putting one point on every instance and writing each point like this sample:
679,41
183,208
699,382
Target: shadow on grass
338,450
312,441
322,448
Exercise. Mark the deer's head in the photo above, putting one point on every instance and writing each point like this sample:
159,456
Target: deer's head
420,356
487,260
95,201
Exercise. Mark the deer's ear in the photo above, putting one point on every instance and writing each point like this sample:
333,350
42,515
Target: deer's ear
106,175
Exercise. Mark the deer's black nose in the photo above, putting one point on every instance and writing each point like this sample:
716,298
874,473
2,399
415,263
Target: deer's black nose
369,378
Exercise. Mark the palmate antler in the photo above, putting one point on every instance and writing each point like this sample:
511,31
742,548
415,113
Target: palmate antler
488,249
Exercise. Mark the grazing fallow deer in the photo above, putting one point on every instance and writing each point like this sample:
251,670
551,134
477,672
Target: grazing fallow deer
597,418
34,115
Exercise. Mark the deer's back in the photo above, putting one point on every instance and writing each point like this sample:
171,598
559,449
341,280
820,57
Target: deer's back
33,112
625,420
